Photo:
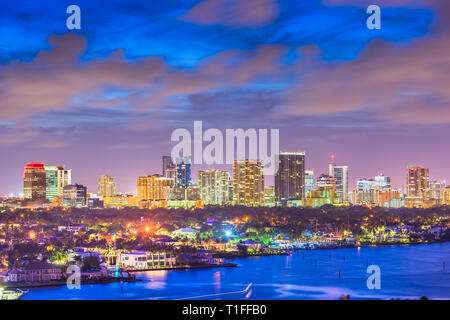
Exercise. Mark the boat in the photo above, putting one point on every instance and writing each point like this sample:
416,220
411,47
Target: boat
11,294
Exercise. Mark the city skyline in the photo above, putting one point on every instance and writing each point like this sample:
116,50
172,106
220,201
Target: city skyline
105,104
291,168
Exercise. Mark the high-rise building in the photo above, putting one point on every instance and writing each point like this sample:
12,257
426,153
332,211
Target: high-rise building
51,182
106,187
418,182
75,195
382,182
290,176
269,196
340,174
446,196
167,164
183,171
154,187
325,192
364,184
34,181
214,186
248,183
437,190
57,177
310,181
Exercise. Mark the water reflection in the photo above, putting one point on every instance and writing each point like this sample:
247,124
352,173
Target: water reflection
406,272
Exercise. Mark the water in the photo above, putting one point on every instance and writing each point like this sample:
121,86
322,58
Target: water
407,272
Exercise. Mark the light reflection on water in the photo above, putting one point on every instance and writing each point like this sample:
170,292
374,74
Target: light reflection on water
407,272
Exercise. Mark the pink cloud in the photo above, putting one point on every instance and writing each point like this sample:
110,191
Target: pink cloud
234,13
408,84
56,76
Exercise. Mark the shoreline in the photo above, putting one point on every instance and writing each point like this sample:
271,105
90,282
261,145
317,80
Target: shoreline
64,282
201,266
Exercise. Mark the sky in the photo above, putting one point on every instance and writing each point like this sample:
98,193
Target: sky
105,99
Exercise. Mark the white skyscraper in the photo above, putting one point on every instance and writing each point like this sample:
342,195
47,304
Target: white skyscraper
310,181
340,174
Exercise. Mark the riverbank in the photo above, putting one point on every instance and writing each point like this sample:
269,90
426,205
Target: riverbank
187,267
408,272
64,282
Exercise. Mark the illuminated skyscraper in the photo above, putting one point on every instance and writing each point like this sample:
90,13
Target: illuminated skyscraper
75,195
34,181
340,174
269,196
248,183
290,177
214,186
57,177
154,187
418,182
436,190
184,171
310,182
167,164
325,192
106,187
51,182
446,196
382,182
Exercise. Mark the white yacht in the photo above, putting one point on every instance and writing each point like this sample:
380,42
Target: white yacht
11,294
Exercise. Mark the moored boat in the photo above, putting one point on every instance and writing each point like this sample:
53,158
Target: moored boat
11,294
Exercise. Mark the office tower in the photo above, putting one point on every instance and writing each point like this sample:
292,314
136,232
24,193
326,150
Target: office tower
436,190
364,184
51,182
340,174
290,176
167,164
154,187
418,182
75,195
269,196
106,187
364,192
382,182
34,181
183,171
446,196
310,182
57,177
325,192
325,183
248,183
214,186
389,198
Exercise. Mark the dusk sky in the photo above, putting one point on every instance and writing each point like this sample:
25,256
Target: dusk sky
105,99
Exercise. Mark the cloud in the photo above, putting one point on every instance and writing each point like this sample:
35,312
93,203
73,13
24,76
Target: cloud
58,79
406,84
382,3
57,75
233,13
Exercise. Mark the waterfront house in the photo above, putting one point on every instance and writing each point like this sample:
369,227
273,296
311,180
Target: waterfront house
251,244
145,260
38,271
81,253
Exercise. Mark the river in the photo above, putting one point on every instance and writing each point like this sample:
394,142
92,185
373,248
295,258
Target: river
407,272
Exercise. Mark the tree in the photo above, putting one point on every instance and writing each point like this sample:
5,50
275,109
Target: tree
91,263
